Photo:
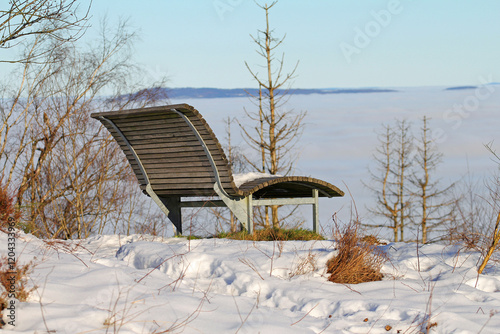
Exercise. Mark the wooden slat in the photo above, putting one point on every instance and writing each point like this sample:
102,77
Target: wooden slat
151,162
144,132
190,145
202,169
186,174
188,183
166,122
179,162
187,178
159,128
154,121
179,156
141,123
170,133
183,184
166,142
162,136
195,165
186,192
165,117
205,188
118,114
170,151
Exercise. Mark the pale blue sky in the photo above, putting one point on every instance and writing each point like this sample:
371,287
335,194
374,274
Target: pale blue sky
204,43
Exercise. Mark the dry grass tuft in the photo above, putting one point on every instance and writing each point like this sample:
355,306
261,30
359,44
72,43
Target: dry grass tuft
357,261
372,240
273,234
13,275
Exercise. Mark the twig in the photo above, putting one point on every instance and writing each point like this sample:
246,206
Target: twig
41,304
251,265
243,321
158,266
305,315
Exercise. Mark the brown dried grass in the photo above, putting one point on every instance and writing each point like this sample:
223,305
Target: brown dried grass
8,211
16,275
356,261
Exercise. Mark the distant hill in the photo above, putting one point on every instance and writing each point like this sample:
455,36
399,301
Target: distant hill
461,87
206,93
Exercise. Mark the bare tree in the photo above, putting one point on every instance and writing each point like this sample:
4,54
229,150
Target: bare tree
432,207
390,181
408,195
381,183
277,130
402,172
71,177
58,21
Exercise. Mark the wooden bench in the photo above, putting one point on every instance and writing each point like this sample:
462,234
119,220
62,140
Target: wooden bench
176,156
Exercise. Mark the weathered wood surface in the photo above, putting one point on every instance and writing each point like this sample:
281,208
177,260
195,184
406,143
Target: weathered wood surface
169,150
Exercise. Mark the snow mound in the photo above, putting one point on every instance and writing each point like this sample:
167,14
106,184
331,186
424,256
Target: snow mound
239,179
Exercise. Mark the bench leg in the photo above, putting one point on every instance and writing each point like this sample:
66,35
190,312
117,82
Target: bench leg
315,211
249,224
239,207
170,206
174,212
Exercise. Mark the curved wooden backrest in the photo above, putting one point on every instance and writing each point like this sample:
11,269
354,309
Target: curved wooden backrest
165,140
288,186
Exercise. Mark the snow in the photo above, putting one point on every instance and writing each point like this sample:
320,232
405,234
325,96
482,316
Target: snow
239,179
143,284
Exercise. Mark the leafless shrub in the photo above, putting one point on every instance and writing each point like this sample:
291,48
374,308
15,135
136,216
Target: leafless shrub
14,276
305,264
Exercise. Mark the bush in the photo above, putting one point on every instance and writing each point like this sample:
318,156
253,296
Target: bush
272,234
356,261
7,208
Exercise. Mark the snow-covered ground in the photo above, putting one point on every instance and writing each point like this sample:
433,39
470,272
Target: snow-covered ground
139,284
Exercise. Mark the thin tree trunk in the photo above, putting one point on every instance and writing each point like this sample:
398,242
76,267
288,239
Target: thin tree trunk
493,246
